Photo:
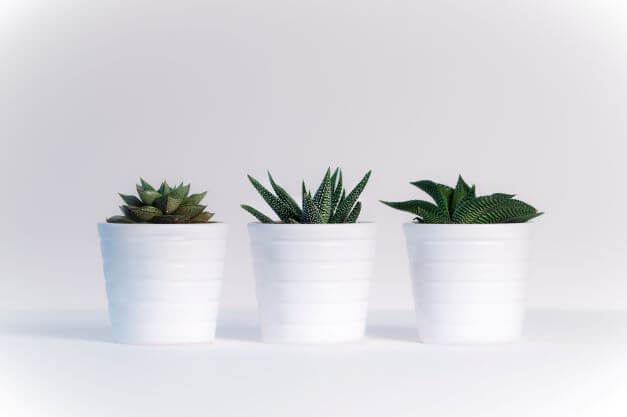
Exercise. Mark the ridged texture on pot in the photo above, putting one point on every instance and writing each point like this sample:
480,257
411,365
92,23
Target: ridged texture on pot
312,281
163,281
468,280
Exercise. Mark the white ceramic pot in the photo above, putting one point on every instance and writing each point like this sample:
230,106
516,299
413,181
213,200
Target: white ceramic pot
312,280
163,280
469,281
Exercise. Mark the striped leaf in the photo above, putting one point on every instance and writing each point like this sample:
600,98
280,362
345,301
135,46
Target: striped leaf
345,205
322,198
430,213
285,197
440,193
280,208
410,206
258,215
311,214
352,217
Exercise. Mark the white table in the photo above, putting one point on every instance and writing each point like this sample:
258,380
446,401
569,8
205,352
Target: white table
571,363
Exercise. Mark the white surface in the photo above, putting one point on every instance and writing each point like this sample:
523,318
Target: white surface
64,364
313,280
163,280
469,280
526,97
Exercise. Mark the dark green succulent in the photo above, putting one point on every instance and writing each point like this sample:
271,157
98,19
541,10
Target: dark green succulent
461,205
329,204
164,205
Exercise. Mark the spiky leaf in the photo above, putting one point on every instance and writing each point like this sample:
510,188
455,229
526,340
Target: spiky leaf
194,199
322,198
258,215
280,208
440,193
410,206
145,185
430,213
180,191
285,197
165,188
311,214
472,210
337,191
344,207
167,204
352,217
462,191
145,213
131,200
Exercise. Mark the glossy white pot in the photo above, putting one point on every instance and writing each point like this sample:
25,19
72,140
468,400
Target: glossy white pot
468,280
312,280
163,280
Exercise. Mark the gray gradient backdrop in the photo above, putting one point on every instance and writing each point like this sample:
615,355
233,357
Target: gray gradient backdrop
521,97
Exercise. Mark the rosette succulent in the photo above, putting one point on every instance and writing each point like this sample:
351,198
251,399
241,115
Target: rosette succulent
163,205
329,204
461,205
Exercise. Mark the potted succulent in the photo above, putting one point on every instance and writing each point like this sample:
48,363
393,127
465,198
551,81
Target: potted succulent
313,265
163,266
468,260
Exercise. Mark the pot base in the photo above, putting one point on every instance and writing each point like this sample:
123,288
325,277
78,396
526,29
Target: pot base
159,334
313,334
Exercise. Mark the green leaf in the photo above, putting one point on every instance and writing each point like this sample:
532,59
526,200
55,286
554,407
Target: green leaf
311,214
202,217
190,211
523,218
258,215
508,211
127,212
410,206
145,213
285,197
352,217
119,219
478,210
430,213
164,188
345,205
180,191
145,185
337,191
280,208
167,204
148,196
131,200
440,193
462,191
292,221
322,198
169,219
194,199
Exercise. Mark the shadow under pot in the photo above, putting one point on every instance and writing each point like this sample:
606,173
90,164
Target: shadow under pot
163,280
468,281
312,280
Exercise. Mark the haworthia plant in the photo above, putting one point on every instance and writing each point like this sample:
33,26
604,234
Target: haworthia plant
163,205
461,205
329,204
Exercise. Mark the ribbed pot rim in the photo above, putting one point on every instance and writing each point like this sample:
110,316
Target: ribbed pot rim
140,230
468,226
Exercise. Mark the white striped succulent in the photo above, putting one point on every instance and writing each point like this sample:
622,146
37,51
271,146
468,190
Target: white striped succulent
329,204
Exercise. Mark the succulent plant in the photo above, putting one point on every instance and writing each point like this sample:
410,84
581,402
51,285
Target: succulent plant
164,205
461,205
329,204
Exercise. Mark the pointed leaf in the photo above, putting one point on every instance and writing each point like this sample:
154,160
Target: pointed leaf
343,208
322,199
312,213
410,206
337,192
167,204
180,191
352,217
164,188
490,209
430,213
285,197
169,218
258,215
131,200
280,208
440,193
194,199
145,185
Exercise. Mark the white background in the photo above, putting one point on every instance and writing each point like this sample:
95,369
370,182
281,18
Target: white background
521,97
